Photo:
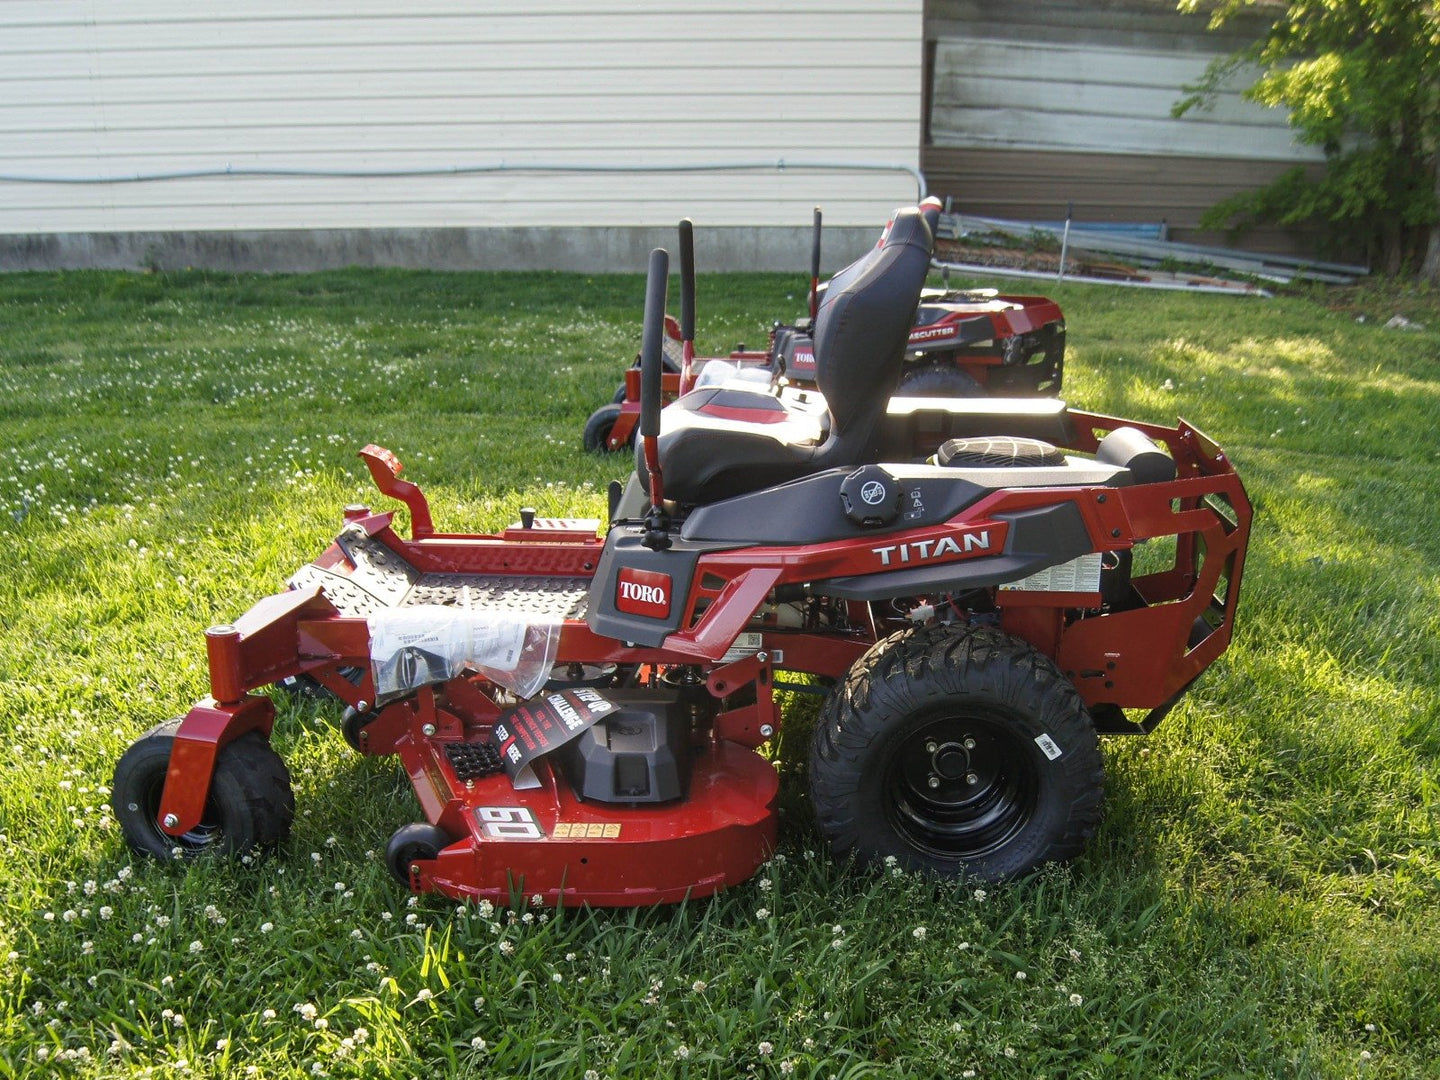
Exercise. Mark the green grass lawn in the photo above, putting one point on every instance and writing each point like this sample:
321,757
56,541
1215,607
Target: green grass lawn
1262,900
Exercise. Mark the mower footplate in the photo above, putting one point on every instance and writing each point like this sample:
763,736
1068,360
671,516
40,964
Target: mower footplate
544,841
371,577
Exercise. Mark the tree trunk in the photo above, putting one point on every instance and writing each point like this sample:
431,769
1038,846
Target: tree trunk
1430,268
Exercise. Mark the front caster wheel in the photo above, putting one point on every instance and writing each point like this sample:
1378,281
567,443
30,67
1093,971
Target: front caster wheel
598,427
250,804
420,840
352,727
956,751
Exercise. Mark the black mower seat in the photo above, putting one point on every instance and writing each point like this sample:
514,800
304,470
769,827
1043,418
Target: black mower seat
860,336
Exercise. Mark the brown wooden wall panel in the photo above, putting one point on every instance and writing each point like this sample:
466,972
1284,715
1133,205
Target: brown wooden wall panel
1031,185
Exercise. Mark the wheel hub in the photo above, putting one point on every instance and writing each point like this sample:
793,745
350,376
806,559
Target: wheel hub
960,787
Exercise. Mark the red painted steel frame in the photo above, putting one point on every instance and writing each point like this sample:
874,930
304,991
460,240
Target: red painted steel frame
543,841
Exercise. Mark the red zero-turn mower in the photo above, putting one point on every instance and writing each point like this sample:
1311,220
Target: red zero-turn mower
978,587
962,344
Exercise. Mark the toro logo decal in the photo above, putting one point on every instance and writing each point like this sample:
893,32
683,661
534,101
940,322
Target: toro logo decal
968,543
643,592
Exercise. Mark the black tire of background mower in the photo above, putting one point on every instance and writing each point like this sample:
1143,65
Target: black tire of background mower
619,398
598,428
418,840
939,380
903,683
250,806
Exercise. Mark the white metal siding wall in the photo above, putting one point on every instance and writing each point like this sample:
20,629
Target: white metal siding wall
1039,95
107,87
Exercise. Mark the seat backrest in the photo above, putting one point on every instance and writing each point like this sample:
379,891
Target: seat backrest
863,325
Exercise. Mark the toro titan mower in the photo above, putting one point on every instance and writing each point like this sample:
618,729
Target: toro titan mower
978,587
963,344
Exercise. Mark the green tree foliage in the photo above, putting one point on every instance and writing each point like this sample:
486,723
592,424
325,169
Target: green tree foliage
1361,79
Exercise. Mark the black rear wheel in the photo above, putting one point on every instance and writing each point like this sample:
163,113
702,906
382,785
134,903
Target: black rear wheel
250,804
956,750
939,380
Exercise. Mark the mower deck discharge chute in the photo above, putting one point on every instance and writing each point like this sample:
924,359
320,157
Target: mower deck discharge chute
977,587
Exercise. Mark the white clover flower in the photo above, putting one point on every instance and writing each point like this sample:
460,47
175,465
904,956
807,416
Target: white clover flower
762,913
919,933
1009,1051
222,1044
411,919
268,1014
1074,954
699,986
682,1052
178,1020
891,861
266,927
1020,976
765,884
980,895
425,994
787,1067
486,909
478,1003
1365,1055
766,1048
360,1035
591,1074
556,977
321,1023
507,948
306,1010
477,1043
1076,999
196,946
357,933
106,912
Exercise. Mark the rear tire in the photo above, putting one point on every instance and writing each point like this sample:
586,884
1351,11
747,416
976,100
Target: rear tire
939,380
598,427
250,804
956,751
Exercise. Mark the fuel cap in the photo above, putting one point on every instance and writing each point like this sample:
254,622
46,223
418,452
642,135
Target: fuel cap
870,496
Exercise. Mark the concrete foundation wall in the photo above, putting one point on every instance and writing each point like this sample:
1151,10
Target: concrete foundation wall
584,250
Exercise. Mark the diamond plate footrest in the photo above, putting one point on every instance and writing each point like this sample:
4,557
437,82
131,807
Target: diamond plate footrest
379,579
